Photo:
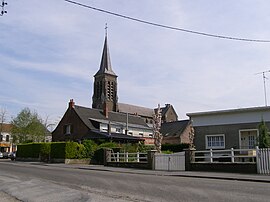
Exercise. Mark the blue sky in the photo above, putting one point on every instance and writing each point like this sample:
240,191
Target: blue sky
50,51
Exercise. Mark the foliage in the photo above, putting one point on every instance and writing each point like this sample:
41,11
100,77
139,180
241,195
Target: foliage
31,150
45,151
108,145
264,138
174,147
129,147
144,148
167,152
58,150
27,127
90,147
75,150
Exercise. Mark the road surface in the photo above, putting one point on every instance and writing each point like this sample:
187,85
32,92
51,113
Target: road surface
36,182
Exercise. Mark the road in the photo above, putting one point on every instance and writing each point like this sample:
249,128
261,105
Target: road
36,182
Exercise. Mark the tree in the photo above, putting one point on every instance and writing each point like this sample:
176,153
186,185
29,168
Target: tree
3,115
264,138
28,127
157,135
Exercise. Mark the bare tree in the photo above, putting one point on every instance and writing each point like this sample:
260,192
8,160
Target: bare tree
3,118
157,124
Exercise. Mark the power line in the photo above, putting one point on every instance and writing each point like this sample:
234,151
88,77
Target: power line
166,26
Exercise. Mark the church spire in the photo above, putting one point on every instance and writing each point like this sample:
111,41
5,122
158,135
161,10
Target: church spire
105,64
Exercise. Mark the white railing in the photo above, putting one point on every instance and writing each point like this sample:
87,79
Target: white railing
263,161
128,157
231,155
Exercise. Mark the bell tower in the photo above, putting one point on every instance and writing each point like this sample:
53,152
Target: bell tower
105,83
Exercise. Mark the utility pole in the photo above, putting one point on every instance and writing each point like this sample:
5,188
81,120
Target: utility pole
264,85
3,11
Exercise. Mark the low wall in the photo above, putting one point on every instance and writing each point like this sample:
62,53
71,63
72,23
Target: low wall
66,161
224,167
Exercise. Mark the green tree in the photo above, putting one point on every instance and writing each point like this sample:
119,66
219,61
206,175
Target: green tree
28,127
264,138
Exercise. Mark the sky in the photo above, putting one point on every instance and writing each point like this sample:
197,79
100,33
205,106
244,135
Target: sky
50,51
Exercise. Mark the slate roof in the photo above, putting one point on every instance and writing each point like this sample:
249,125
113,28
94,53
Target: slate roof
105,65
86,114
174,129
96,134
133,109
6,127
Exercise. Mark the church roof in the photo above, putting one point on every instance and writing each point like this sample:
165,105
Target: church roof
133,109
88,114
105,64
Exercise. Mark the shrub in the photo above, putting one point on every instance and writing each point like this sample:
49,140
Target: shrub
31,150
174,147
45,151
90,147
58,150
108,145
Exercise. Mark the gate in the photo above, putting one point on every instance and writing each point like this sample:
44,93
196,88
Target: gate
170,162
263,161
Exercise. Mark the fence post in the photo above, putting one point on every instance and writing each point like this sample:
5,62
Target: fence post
151,159
138,157
127,157
189,158
211,156
117,156
258,160
232,155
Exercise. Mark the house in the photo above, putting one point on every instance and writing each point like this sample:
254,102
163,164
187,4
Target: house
176,132
80,123
6,138
225,129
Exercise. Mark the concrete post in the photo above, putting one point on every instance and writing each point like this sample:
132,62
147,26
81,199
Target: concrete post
151,159
107,156
189,158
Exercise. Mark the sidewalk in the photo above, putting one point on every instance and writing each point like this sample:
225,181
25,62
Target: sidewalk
193,174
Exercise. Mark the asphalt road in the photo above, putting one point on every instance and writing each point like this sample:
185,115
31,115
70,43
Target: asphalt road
35,182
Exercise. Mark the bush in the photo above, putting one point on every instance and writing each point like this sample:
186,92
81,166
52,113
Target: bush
174,147
31,150
90,147
58,150
108,145
45,151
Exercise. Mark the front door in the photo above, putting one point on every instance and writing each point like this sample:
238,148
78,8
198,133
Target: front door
248,138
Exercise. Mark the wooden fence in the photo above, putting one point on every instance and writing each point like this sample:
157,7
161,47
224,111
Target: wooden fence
263,161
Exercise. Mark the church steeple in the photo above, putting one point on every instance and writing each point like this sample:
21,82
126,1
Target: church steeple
105,64
105,84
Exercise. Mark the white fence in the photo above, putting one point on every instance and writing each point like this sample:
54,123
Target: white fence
230,155
127,157
263,161
170,162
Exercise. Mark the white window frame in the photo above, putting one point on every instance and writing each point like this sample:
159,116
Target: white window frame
215,147
68,129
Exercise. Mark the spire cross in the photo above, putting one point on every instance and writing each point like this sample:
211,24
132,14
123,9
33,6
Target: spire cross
106,29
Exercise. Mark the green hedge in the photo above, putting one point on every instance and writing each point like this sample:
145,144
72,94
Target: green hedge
57,150
31,150
174,147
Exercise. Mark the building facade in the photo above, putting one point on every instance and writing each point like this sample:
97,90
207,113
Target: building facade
226,129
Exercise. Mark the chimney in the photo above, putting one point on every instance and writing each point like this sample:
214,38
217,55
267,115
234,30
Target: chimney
71,103
105,110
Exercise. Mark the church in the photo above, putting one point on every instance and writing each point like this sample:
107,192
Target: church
109,119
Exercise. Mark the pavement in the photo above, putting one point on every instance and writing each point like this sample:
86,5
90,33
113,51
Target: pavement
193,174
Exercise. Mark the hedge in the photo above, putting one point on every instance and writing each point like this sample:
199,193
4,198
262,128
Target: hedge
174,147
30,150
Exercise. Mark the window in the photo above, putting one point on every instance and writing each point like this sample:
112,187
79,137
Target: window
130,133
141,134
1,138
215,141
118,130
150,135
7,138
67,129
251,141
